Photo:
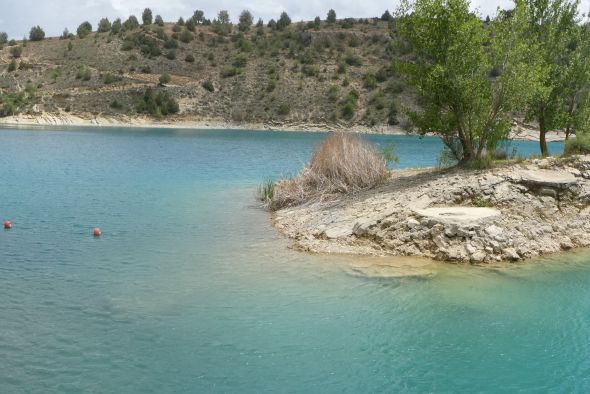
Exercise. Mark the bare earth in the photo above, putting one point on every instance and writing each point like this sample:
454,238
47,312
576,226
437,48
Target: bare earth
511,213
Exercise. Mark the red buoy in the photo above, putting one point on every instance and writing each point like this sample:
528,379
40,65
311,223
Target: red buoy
7,224
96,232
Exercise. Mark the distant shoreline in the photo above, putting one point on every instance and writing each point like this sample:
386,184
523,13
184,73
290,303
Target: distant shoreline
520,133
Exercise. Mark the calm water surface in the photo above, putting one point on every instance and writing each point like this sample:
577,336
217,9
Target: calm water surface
190,290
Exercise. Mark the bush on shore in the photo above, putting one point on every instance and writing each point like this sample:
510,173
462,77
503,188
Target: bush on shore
342,163
579,145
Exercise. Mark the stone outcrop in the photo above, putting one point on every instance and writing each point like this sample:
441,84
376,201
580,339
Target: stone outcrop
504,214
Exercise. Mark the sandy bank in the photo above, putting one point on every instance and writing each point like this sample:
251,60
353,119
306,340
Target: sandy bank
512,213
520,131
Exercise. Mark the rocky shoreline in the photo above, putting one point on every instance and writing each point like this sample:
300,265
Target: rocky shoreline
520,131
515,212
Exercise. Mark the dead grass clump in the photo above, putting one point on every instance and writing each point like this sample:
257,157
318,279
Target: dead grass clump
342,163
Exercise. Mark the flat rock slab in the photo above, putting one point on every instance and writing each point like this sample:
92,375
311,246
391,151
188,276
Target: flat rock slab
548,178
459,215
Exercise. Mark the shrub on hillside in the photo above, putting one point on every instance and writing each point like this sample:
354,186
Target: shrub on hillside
104,26
343,163
84,29
208,85
16,52
165,78
579,145
189,58
230,72
157,104
36,34
84,73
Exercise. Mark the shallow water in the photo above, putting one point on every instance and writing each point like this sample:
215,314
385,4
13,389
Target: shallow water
190,289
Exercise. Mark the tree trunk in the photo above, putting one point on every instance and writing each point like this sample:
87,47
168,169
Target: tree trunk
542,137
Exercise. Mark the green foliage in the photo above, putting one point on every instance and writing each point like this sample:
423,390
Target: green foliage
117,26
171,54
84,73
563,56
284,109
157,104
310,70
13,103
333,93
265,192
186,36
481,202
369,81
165,78
159,21
3,38
16,52
240,60
70,46
109,78
146,17
222,25
331,18
245,21
198,17
353,60
579,145
104,25
208,85
454,54
228,72
387,16
84,29
116,104
348,105
189,58
36,34
392,115
131,23
283,21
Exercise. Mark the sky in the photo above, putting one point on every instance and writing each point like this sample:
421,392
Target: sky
18,16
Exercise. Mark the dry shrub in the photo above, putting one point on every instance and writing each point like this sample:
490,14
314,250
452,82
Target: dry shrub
343,163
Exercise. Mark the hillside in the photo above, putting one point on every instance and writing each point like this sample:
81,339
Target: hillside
305,74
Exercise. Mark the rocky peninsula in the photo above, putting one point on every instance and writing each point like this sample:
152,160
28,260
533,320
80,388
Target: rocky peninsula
509,213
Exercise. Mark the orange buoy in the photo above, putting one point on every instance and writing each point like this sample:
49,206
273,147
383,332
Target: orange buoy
96,232
7,224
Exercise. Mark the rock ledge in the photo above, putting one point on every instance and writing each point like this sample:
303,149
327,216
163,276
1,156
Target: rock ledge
510,213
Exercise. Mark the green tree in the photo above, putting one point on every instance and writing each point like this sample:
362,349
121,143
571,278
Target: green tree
131,23
36,34
3,38
283,21
386,16
222,25
198,17
84,29
147,17
467,108
317,23
552,25
331,18
159,21
116,26
104,25
165,78
246,20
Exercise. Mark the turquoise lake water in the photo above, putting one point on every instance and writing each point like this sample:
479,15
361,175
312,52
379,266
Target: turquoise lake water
190,289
